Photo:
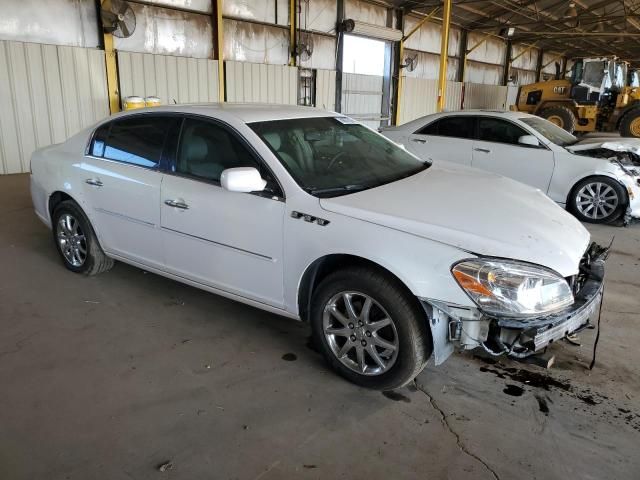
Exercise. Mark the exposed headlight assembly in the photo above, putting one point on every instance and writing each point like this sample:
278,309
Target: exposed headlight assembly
514,289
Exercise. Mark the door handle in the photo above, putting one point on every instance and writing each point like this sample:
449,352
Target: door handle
94,182
177,204
419,140
483,150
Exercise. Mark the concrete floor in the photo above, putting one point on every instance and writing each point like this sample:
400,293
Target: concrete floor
109,377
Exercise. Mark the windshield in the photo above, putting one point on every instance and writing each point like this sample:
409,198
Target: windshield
332,156
550,131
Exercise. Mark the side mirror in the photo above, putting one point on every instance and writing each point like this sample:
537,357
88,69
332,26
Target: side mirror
529,140
242,179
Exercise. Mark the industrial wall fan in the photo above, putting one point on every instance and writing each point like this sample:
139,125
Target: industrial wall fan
118,18
304,47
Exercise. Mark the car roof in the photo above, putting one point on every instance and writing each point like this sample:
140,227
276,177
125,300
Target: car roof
487,112
246,112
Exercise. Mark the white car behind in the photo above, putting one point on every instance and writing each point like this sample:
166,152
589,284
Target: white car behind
598,180
310,215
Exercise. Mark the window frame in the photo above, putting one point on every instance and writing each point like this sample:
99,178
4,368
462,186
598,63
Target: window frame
172,155
474,130
159,167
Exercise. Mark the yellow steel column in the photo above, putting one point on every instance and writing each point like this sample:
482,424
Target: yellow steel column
219,48
444,55
292,32
111,66
401,55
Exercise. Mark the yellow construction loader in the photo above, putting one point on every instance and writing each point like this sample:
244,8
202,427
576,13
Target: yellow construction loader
602,94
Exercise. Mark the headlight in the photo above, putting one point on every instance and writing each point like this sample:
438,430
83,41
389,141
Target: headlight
514,289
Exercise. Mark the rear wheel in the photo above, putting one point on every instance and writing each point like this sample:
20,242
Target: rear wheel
560,116
76,241
630,123
598,200
369,329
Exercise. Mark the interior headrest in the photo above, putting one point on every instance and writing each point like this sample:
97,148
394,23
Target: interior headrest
273,139
197,148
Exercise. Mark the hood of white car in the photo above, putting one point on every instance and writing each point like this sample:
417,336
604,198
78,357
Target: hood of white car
476,211
615,144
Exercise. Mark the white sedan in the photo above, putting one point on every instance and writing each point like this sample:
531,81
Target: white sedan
598,180
311,215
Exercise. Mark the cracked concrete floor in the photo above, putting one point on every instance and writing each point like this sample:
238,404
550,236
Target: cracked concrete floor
111,376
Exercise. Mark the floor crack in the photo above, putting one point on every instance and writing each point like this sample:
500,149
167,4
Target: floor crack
445,422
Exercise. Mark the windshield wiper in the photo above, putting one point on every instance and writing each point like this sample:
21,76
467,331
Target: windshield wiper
342,188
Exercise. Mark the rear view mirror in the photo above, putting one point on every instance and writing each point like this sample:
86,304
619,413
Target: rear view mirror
242,179
529,140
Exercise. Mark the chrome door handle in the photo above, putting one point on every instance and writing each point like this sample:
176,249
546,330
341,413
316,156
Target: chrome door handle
177,204
94,182
484,150
419,140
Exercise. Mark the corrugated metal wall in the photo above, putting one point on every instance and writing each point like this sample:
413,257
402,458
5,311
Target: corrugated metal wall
326,89
47,94
477,95
254,82
420,97
185,80
362,97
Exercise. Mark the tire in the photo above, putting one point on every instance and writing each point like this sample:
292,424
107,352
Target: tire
630,123
561,116
609,196
407,330
76,240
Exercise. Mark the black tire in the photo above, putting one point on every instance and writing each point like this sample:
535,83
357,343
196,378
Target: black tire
580,211
409,320
560,114
630,123
95,261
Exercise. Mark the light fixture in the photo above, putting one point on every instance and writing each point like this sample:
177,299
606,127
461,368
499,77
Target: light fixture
507,32
571,11
599,27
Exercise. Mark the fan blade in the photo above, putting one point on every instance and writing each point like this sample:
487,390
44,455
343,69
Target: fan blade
124,29
123,9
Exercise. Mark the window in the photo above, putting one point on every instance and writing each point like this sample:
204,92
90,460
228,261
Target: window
137,140
206,149
497,130
330,156
459,127
550,131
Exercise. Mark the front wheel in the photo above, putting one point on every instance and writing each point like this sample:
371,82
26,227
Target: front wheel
630,123
370,329
598,200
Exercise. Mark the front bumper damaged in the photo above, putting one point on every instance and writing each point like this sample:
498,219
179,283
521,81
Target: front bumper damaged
466,328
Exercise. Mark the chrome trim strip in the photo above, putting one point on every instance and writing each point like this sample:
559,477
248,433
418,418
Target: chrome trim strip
124,217
242,250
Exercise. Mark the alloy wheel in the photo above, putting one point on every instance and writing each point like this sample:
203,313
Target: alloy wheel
71,239
596,200
360,333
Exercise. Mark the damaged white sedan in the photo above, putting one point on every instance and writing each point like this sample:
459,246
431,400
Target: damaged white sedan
313,216
596,179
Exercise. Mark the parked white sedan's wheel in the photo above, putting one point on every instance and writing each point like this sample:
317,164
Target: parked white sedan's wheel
76,241
598,200
370,329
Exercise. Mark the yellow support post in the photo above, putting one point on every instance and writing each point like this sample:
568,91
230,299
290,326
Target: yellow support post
444,55
111,66
292,32
467,52
219,48
416,27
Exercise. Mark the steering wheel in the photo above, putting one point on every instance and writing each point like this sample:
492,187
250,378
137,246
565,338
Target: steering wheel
335,159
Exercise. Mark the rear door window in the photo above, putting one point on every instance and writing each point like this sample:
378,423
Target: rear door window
458,127
137,140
